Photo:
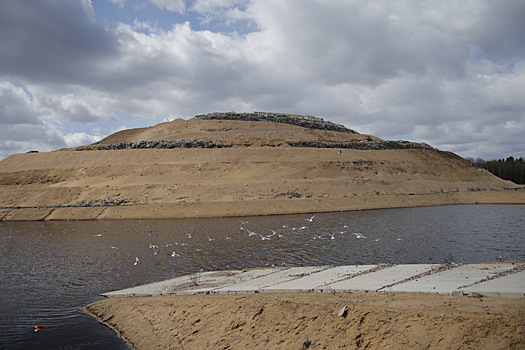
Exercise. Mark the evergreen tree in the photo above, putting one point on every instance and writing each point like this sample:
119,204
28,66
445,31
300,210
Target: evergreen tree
509,168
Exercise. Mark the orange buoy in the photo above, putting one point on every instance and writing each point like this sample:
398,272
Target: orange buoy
38,327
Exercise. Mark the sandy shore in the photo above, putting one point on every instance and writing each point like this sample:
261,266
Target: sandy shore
261,207
310,320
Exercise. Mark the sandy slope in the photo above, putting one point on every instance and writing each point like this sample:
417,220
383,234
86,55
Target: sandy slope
285,321
242,180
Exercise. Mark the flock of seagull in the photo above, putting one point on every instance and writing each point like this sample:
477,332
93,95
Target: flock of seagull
244,230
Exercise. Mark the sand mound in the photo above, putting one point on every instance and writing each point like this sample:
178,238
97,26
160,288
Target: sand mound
249,167
230,132
311,321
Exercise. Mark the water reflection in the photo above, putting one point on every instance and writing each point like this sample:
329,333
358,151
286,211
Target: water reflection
50,269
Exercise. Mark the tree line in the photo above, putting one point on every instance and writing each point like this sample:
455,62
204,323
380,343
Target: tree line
508,168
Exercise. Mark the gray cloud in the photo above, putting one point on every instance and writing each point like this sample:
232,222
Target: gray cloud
499,31
28,121
449,73
50,41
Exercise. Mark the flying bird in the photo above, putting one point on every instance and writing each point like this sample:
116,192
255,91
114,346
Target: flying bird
331,235
267,238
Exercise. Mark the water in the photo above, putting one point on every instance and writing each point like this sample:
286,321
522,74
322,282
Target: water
49,270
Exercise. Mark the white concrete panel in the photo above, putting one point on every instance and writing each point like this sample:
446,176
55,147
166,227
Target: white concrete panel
322,278
272,279
446,282
381,278
510,286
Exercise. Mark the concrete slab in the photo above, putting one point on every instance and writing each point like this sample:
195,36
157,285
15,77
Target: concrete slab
196,281
381,278
157,288
211,283
321,278
509,286
447,282
494,279
228,277
271,279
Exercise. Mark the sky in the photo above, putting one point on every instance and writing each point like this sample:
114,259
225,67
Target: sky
449,73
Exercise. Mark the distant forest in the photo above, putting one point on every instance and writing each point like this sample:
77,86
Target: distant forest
507,168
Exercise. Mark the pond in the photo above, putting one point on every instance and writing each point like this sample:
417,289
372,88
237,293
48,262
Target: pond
50,270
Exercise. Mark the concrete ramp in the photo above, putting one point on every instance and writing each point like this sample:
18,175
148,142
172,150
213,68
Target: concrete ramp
490,279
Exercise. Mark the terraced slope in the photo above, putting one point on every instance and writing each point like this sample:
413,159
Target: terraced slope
200,167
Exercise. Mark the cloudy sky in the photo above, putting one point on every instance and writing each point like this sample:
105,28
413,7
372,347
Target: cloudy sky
449,73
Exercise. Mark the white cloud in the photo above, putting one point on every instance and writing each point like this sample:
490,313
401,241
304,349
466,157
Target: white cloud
203,6
80,139
447,73
30,120
74,108
17,105
228,11
170,5
22,127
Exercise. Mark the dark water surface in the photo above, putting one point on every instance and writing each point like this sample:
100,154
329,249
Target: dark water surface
49,270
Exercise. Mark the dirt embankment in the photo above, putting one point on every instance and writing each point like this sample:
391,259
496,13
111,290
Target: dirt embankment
249,178
311,321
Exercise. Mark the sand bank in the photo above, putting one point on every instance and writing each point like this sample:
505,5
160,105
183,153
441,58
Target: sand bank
294,320
261,206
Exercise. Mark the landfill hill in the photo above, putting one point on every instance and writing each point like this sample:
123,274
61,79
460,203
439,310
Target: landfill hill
237,164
